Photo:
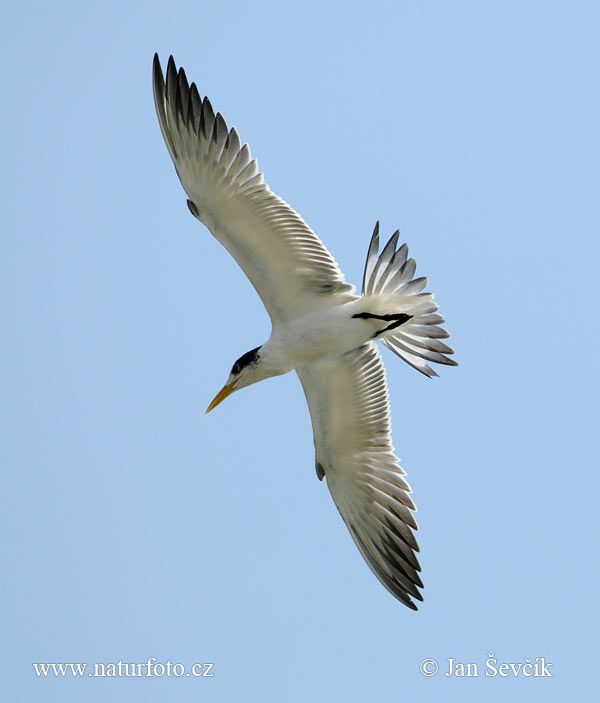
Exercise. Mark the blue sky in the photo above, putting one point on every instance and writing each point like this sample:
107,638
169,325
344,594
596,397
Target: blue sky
138,527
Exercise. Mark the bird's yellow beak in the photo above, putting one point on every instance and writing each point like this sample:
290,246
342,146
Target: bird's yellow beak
221,395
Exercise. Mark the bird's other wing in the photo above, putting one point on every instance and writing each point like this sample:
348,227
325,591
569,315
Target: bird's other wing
284,259
348,400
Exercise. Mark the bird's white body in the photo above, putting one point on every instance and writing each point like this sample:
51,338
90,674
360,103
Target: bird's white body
321,328
330,330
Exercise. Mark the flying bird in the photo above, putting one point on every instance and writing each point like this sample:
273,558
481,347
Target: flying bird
320,327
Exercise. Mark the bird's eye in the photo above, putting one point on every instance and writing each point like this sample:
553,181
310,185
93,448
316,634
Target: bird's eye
236,368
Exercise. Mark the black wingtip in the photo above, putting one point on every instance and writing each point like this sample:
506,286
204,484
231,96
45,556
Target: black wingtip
182,77
171,75
157,74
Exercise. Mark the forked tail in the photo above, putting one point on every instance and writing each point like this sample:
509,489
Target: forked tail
388,281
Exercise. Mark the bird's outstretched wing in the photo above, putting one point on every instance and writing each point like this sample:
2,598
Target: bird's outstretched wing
348,400
284,259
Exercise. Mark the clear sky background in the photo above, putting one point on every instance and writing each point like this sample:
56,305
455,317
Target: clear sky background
136,526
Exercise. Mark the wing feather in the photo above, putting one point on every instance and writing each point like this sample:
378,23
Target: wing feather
284,259
348,400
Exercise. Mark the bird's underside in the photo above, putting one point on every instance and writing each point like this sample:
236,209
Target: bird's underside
303,291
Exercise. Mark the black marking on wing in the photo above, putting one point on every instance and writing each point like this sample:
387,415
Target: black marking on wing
320,470
193,209
396,319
